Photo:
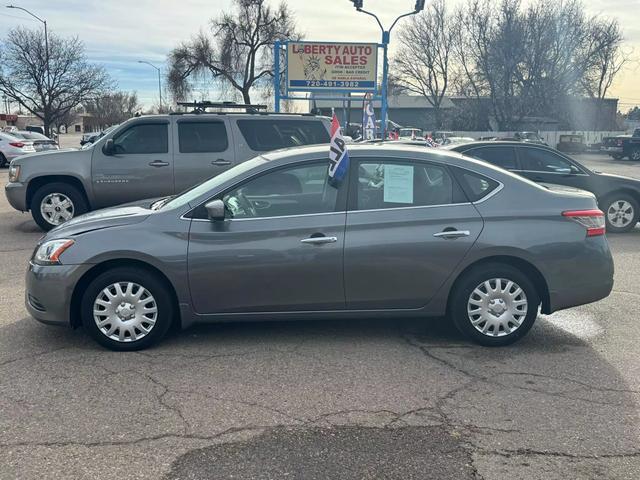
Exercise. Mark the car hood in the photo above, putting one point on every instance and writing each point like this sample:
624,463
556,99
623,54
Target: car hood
103,219
46,155
622,178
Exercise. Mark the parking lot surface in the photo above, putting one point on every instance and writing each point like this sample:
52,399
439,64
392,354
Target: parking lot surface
359,399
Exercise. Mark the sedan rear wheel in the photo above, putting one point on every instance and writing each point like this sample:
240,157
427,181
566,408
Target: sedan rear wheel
621,213
494,304
127,309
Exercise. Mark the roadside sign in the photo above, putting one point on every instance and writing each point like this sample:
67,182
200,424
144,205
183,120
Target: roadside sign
368,119
326,66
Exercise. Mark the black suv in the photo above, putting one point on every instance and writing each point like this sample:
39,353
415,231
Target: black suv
618,196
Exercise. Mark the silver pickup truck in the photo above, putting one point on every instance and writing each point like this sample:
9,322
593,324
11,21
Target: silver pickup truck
150,156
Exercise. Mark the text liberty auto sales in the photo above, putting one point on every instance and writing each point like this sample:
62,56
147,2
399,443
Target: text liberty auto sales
337,54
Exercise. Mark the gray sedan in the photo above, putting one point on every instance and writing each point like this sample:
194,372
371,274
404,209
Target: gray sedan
409,232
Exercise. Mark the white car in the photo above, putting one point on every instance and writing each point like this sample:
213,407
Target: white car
12,147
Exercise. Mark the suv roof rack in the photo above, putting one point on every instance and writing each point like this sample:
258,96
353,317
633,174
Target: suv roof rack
201,107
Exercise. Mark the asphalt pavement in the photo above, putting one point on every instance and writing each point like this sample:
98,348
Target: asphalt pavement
324,400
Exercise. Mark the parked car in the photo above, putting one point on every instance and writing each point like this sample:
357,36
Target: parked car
572,144
623,146
10,129
89,137
40,142
618,196
420,233
410,133
529,137
35,128
148,157
12,147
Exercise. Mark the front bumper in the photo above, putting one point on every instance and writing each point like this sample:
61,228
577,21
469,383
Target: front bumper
16,194
611,149
48,291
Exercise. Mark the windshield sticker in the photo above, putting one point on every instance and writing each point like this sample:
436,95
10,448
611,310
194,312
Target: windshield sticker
398,184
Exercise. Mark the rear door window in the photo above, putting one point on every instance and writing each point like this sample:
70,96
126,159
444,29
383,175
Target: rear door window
501,156
271,134
202,137
475,185
392,184
540,160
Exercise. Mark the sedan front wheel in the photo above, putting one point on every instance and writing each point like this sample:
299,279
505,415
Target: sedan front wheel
127,309
621,213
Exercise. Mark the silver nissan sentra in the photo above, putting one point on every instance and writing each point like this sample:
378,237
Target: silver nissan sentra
410,232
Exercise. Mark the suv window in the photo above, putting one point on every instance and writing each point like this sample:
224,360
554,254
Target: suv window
272,134
287,191
142,138
540,160
202,137
501,156
391,184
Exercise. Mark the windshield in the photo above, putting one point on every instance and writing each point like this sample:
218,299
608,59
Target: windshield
193,193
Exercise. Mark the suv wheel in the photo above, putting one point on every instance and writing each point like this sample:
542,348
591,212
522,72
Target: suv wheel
635,154
55,203
494,305
621,213
126,309
3,161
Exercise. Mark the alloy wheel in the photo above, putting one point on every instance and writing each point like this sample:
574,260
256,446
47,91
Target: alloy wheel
497,307
57,208
635,155
125,312
620,213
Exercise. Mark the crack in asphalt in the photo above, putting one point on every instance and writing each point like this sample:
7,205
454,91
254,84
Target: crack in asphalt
547,453
32,355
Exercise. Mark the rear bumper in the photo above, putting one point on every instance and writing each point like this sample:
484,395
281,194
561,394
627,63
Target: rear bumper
587,279
48,291
16,194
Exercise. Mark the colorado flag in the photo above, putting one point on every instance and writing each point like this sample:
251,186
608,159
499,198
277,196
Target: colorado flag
338,154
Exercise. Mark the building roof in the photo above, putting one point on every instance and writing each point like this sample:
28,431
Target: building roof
395,101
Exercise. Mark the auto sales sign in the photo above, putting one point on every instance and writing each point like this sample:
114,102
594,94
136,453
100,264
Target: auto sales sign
319,66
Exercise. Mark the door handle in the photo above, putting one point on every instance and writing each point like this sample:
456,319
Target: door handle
319,240
220,162
158,163
452,234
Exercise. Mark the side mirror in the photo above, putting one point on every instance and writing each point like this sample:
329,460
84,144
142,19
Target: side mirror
215,210
109,148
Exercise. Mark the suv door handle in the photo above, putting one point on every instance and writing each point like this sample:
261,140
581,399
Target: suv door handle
220,162
452,234
319,240
158,163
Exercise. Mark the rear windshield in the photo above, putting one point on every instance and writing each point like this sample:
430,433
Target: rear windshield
271,134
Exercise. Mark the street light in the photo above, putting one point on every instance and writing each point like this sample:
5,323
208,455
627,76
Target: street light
386,36
46,38
159,84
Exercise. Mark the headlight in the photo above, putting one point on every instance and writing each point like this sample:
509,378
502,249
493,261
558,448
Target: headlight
14,173
49,252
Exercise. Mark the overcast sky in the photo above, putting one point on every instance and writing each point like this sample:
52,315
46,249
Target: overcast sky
118,33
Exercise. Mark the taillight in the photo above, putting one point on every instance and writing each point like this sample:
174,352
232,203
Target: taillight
17,144
592,220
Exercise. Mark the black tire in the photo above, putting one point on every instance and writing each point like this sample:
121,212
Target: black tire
3,161
161,296
609,203
635,155
72,193
462,293
617,156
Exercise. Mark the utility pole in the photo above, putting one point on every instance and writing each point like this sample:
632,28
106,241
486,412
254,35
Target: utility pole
386,37
159,82
46,54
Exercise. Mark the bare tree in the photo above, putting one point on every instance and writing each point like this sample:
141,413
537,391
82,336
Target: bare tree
424,58
605,59
111,109
49,90
239,51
